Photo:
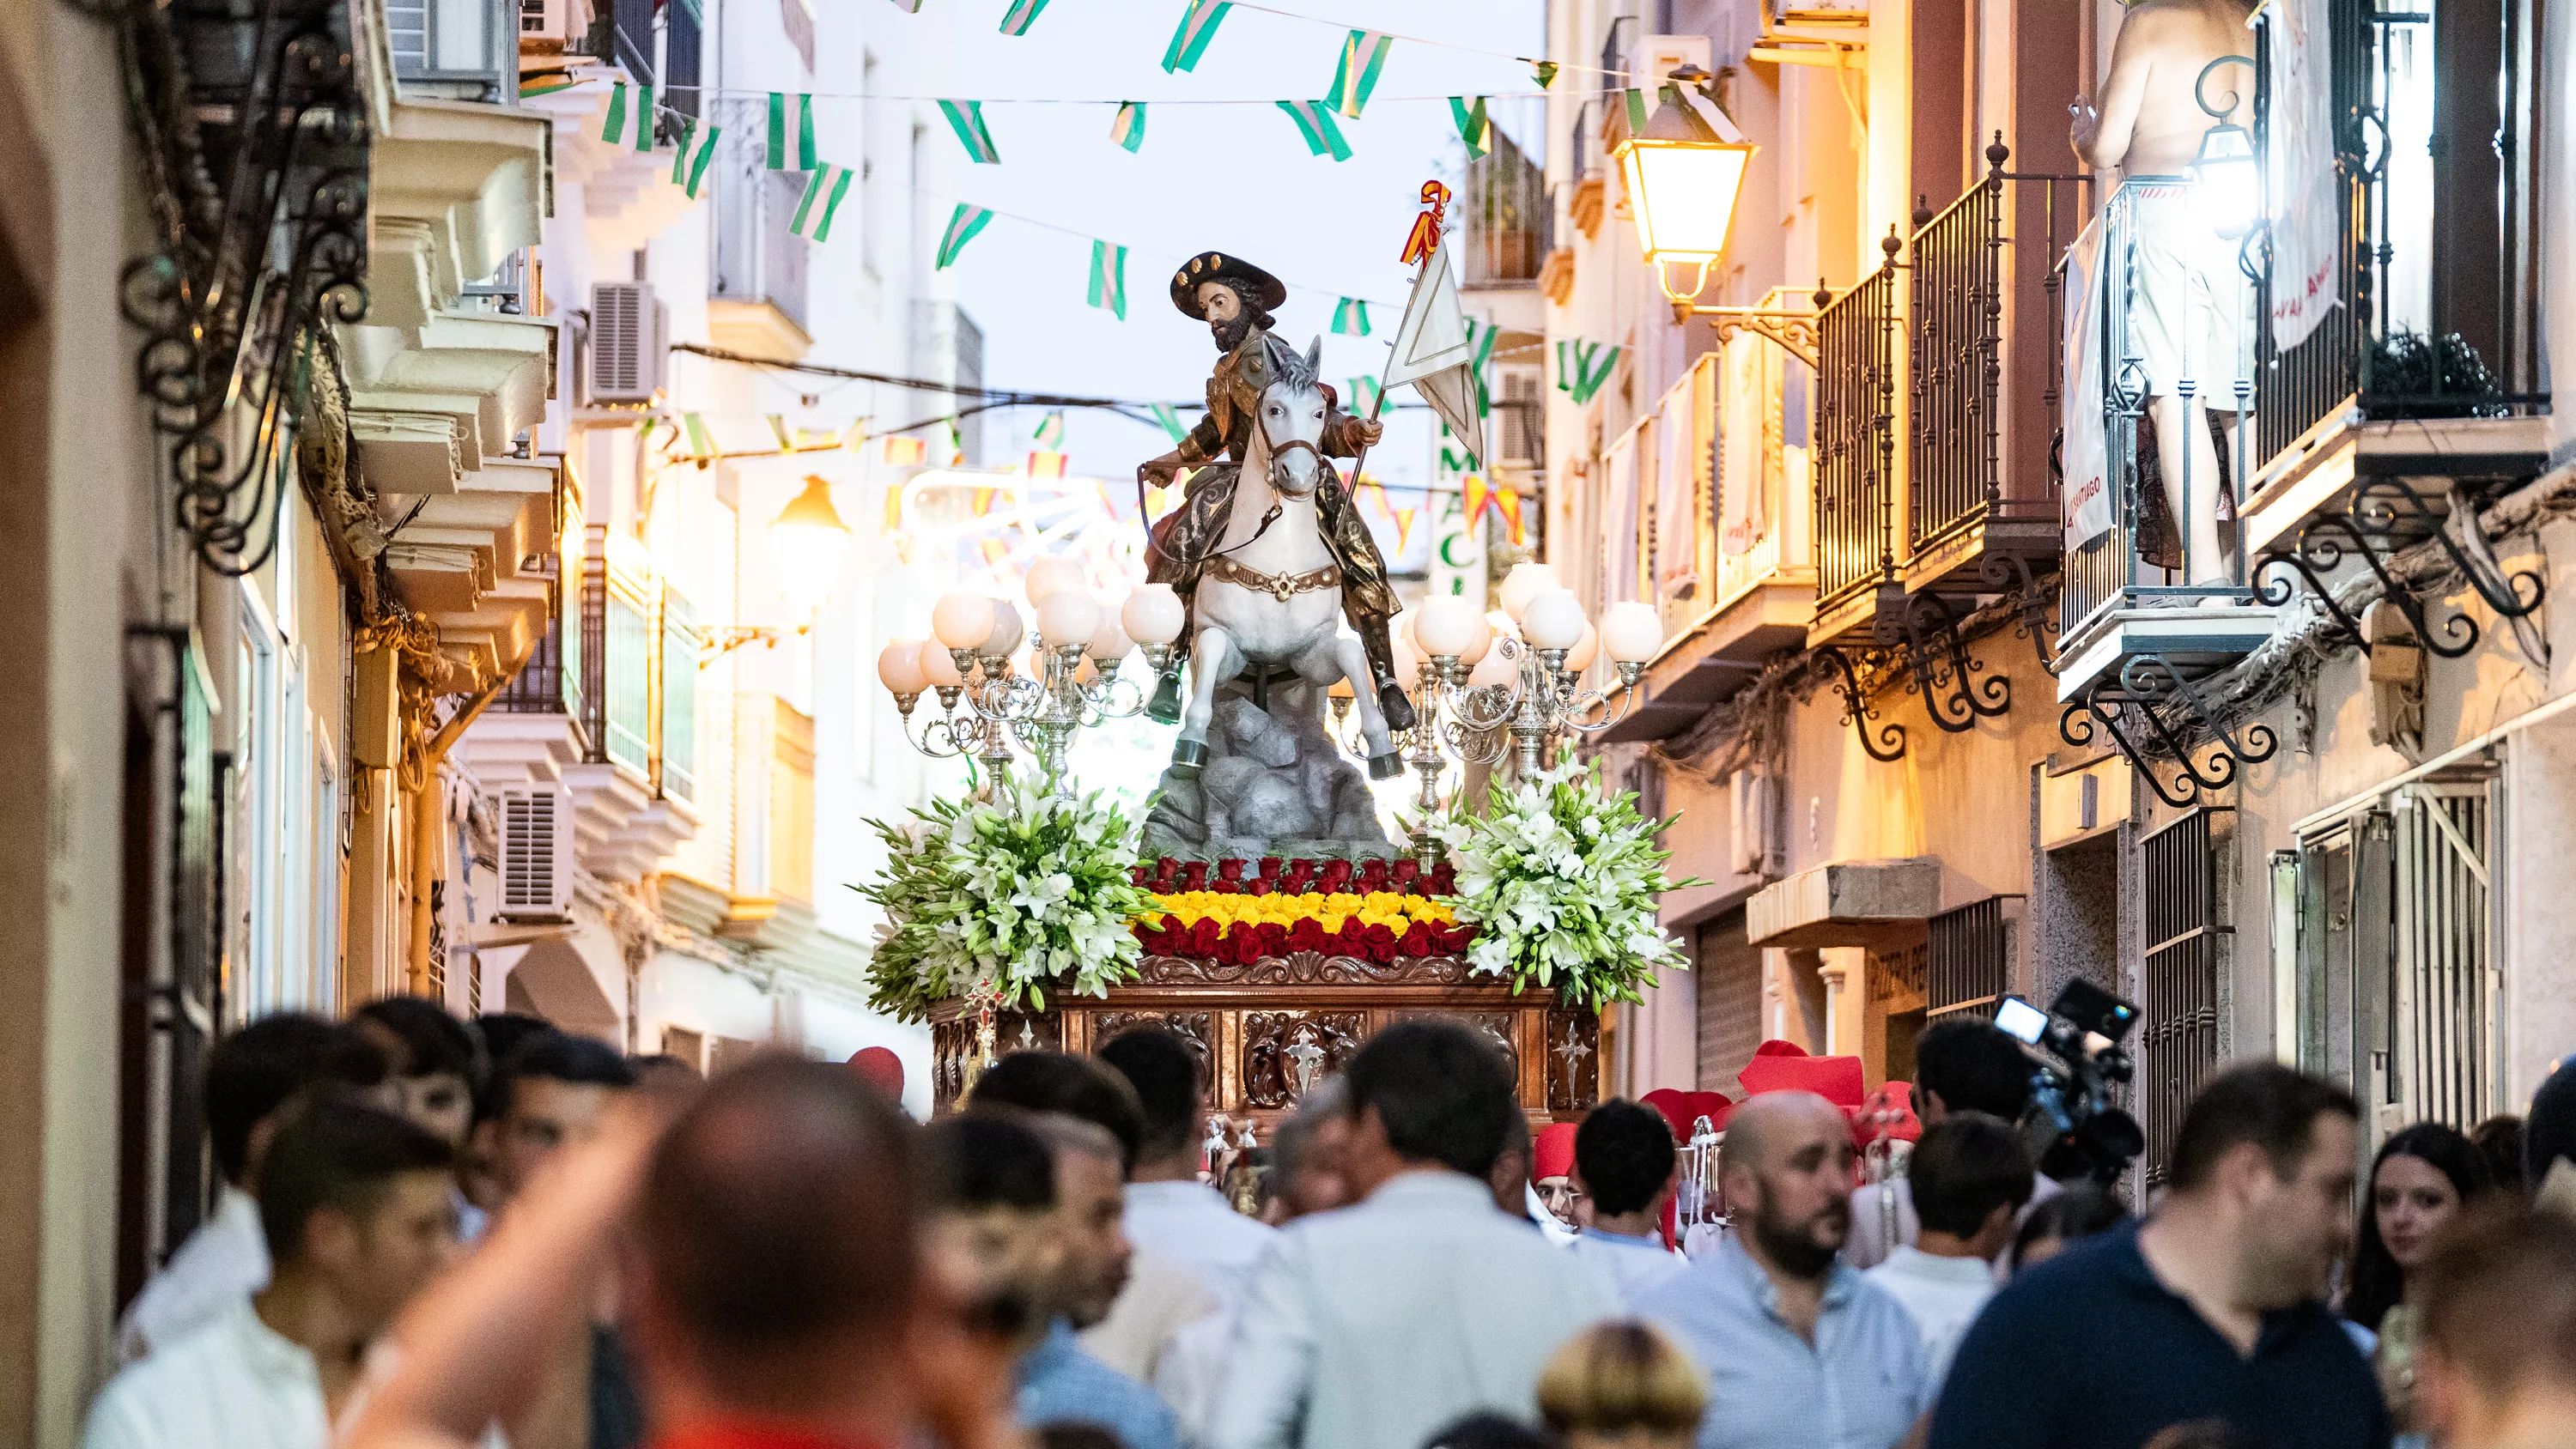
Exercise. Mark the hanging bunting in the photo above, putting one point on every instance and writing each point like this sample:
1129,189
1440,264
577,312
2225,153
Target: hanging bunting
1508,499
906,452
630,117
1375,492
1635,101
778,429
963,224
1474,126
855,436
956,440
781,158
996,552
982,503
702,443
894,508
1364,393
909,7
1197,28
1046,464
1545,70
1050,433
1127,129
1472,485
824,188
1350,318
1170,420
1403,528
1581,370
1023,13
1154,501
1109,279
966,118
697,149
1363,56
1315,122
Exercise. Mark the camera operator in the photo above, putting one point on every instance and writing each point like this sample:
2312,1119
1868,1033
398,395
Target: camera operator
1960,1065
2212,1309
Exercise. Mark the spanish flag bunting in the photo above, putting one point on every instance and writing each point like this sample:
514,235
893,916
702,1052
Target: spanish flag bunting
1473,485
1046,464
894,508
855,436
1403,527
1153,501
996,552
983,503
906,452
1375,492
1508,499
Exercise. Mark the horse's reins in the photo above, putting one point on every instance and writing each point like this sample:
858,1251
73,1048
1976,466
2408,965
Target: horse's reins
1273,513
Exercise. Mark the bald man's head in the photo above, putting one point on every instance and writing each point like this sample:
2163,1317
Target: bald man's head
778,1232
1786,1166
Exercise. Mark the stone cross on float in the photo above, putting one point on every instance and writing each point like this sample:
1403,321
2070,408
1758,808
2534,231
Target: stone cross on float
1574,1051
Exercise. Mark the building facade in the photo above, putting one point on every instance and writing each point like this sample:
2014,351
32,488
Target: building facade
1952,707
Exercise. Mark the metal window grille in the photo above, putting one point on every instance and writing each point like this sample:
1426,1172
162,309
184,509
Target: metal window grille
2178,1031
679,703
2443,986
2294,389
1855,437
1969,959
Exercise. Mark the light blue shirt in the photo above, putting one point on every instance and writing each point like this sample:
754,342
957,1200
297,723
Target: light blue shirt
1636,1264
1061,1384
1860,1385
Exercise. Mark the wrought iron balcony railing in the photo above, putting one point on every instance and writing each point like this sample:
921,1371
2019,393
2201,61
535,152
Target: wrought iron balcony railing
1856,437
620,661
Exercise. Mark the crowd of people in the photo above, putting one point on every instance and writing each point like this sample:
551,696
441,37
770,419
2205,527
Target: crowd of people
434,1232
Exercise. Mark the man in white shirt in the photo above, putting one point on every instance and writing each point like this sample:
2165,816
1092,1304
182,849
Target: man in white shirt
1960,1065
1970,1179
252,1080
1374,1326
1625,1164
356,1209
1168,1209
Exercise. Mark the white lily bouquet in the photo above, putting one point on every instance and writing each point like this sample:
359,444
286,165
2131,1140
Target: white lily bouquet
1017,894
1563,883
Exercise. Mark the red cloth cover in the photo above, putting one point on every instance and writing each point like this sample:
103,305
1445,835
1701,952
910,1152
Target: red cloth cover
880,1068
1889,1112
1780,1066
1552,1155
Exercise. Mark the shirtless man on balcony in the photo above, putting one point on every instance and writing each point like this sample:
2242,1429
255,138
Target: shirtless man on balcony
2194,310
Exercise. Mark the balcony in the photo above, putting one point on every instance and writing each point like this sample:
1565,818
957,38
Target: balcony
1858,587
1509,223
463,50
1731,518
756,299
606,705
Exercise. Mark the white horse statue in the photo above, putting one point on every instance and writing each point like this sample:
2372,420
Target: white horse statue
1269,603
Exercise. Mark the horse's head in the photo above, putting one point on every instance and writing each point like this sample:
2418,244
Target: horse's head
1290,417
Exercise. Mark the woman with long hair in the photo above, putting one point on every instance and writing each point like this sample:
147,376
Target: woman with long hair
2420,1181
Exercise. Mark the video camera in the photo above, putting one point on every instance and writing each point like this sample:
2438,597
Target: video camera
2075,1045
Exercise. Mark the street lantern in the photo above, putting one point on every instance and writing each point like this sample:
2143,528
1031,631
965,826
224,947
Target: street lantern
1683,179
2227,179
810,543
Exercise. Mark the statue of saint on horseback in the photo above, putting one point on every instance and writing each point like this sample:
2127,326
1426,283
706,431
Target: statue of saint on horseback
1266,549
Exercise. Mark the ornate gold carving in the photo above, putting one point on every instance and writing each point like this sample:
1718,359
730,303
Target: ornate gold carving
1493,1026
1303,968
1197,1028
1286,1052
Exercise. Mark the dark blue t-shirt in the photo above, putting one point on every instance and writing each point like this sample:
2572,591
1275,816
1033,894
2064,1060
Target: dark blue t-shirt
2089,1351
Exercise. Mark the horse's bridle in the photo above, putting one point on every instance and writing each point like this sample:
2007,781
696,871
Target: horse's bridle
1271,515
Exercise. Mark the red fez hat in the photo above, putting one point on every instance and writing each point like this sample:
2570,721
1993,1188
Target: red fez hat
1888,1113
880,1068
1780,1066
1552,1154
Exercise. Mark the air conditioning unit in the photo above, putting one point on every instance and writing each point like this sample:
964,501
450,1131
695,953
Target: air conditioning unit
560,21
1658,56
625,342
536,852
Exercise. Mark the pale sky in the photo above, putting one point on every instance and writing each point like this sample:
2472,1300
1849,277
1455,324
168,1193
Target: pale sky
1209,177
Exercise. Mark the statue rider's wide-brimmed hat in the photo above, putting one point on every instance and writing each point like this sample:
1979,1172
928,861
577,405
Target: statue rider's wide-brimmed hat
1210,266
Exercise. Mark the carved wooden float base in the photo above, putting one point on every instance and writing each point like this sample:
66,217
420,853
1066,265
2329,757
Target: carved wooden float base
1257,1023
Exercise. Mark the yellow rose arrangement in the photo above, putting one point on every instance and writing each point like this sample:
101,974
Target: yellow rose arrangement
1395,911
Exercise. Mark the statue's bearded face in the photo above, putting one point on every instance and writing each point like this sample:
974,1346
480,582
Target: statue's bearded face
1227,316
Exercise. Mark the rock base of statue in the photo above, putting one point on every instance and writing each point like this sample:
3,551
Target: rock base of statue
1275,783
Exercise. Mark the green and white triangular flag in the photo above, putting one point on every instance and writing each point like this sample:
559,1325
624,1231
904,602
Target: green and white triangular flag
1109,279
966,118
824,188
702,442
956,438
781,157
630,117
1350,318
1023,13
1315,122
1171,421
1545,70
1638,111
963,223
1050,433
1198,27
1474,126
1128,129
1364,393
1363,56
909,6
697,149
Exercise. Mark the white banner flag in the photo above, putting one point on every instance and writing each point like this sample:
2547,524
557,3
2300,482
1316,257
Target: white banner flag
2307,241
2087,488
1744,400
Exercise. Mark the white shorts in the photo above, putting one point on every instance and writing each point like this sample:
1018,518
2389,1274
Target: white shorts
2191,314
